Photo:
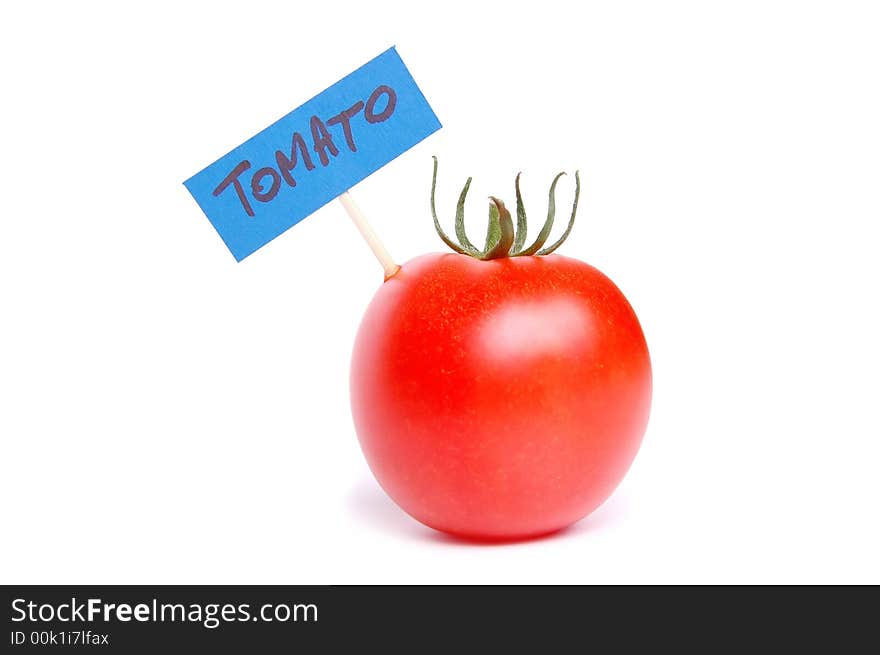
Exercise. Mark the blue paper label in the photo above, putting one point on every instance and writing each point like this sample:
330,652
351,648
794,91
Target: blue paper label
313,154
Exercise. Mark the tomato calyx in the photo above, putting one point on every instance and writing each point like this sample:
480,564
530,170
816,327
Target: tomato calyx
502,239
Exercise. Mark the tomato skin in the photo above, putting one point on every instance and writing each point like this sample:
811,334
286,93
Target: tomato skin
499,399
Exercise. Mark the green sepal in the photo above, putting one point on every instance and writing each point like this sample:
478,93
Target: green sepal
574,208
500,234
449,242
548,224
521,223
459,219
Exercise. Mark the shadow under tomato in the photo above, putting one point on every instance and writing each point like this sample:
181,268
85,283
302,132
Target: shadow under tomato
369,504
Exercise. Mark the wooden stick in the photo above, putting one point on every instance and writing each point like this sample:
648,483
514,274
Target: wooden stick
366,230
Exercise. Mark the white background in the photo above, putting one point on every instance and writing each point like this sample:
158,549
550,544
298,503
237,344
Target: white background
170,416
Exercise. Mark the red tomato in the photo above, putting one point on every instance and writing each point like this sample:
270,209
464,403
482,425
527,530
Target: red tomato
499,399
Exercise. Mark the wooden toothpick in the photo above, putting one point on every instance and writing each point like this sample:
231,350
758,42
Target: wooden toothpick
366,230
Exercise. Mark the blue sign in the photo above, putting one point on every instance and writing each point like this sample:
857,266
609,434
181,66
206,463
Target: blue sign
313,154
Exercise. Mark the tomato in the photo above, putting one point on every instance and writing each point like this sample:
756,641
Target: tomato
499,398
